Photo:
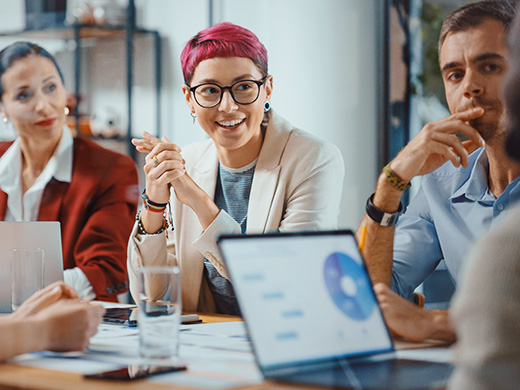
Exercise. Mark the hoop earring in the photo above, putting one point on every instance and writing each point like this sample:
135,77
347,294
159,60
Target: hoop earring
267,106
194,116
66,111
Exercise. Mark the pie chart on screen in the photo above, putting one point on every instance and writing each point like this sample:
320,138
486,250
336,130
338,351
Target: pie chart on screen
348,286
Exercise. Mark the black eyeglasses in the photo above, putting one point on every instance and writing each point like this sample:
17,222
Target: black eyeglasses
209,95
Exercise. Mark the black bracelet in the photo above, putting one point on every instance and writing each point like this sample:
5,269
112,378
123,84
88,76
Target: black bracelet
382,217
152,203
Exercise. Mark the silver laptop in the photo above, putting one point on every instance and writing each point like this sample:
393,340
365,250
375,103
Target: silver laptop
312,315
46,235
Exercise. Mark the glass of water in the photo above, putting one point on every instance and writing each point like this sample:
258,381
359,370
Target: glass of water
159,312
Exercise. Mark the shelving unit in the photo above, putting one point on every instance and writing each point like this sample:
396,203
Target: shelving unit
128,33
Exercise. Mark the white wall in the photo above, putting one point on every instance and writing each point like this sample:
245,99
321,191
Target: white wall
323,55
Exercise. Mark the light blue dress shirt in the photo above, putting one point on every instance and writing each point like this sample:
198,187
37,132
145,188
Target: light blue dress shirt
452,209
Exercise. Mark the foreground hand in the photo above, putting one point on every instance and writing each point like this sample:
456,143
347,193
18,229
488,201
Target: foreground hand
69,324
44,298
437,143
402,317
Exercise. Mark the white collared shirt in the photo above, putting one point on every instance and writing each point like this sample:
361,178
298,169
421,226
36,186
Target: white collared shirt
25,207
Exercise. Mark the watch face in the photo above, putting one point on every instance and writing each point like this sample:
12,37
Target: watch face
389,219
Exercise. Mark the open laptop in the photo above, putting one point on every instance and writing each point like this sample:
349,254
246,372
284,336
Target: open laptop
46,235
312,314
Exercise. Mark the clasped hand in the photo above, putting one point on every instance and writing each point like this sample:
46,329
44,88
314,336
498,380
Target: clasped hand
164,165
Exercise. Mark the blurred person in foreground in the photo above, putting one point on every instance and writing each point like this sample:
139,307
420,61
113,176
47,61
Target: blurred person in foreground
51,319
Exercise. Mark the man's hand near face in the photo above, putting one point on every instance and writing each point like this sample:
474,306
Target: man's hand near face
438,143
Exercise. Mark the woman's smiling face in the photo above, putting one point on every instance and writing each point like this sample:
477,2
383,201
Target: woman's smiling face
234,128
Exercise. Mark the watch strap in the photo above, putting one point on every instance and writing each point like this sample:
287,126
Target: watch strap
382,217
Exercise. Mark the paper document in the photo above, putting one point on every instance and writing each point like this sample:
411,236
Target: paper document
218,355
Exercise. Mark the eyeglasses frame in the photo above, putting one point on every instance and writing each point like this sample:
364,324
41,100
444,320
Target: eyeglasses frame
229,87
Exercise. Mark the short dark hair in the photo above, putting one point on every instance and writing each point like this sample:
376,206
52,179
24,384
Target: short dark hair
18,50
472,15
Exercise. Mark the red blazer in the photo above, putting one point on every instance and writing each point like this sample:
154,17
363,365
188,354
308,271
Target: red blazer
96,211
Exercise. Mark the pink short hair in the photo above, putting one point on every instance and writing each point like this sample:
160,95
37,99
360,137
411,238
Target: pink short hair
222,40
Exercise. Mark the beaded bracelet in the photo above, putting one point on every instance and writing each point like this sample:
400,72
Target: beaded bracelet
394,179
140,227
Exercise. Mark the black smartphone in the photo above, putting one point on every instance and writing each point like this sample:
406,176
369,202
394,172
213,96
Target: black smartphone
127,316
135,372
121,316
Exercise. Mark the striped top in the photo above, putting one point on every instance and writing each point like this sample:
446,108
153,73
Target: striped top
232,196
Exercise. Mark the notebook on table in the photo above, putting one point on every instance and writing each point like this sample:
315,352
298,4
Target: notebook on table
31,235
312,315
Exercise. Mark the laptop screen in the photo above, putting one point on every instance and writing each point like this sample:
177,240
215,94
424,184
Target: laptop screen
304,297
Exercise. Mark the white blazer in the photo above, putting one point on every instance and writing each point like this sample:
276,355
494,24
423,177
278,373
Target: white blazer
296,186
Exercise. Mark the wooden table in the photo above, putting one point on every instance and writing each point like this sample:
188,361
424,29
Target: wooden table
13,376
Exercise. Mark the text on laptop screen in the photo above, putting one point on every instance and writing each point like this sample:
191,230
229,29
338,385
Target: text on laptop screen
305,297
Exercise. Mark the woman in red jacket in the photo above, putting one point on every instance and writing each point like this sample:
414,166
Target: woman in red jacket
48,175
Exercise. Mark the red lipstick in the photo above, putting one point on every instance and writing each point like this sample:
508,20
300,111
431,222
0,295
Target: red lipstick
46,122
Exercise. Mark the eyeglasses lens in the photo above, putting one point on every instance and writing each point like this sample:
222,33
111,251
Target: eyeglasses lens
243,92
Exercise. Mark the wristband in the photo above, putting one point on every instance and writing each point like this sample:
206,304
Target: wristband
153,209
149,202
394,179
381,217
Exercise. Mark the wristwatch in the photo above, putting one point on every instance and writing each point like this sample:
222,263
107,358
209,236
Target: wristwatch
381,217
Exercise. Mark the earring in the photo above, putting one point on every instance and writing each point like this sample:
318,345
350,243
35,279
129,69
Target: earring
267,106
194,116
66,111
5,120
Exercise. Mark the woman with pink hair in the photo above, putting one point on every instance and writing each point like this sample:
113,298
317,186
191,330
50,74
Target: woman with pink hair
255,174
